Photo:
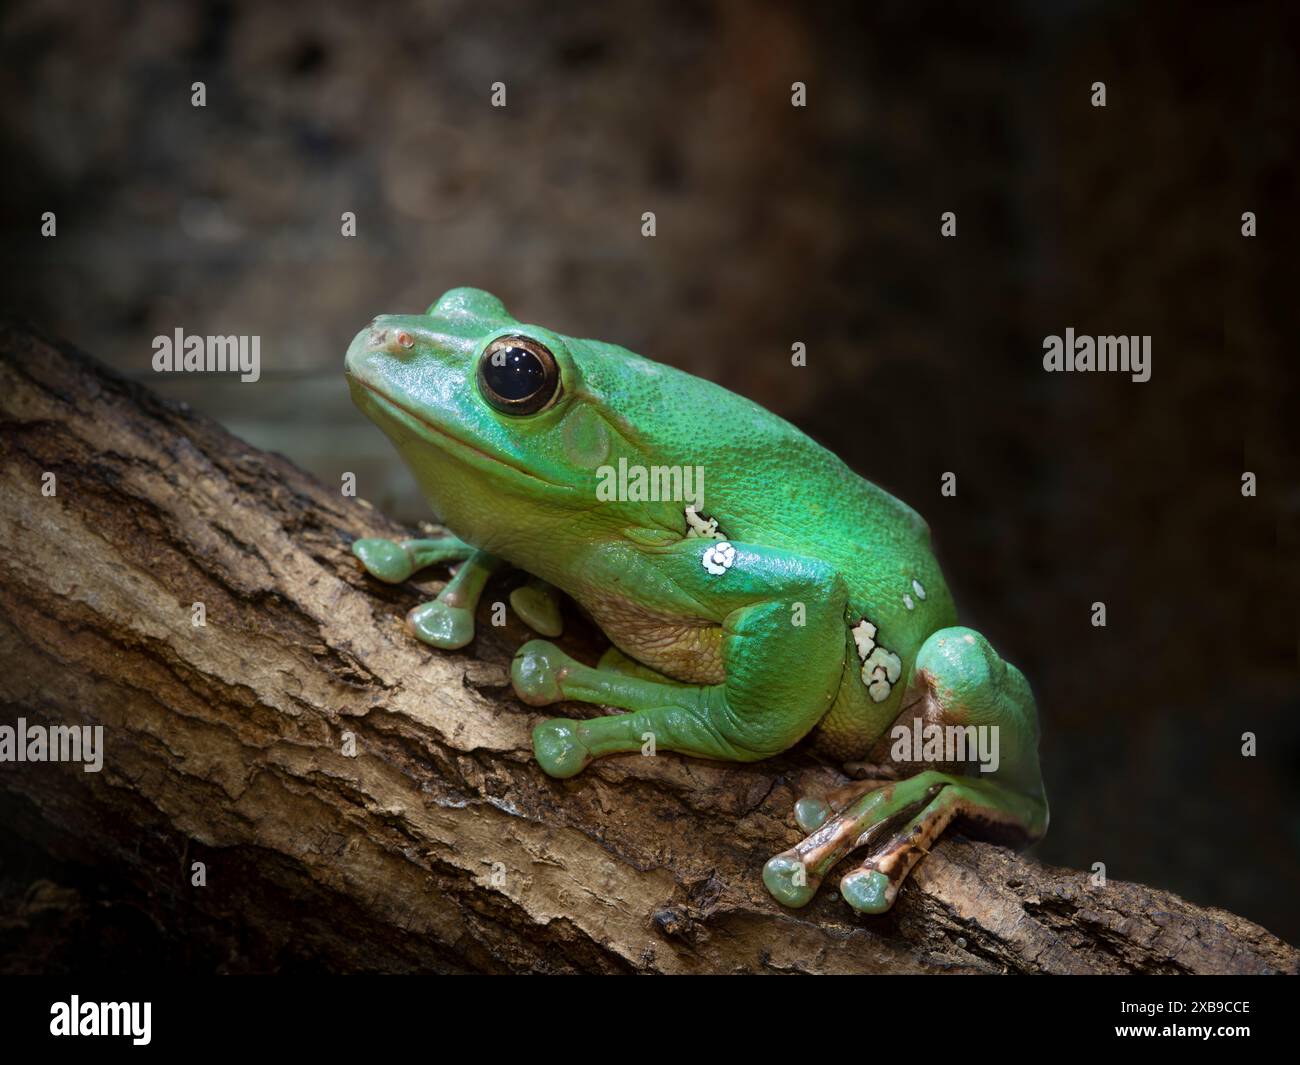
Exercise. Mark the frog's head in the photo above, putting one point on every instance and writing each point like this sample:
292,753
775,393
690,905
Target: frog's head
503,424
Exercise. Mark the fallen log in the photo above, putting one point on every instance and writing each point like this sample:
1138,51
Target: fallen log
360,801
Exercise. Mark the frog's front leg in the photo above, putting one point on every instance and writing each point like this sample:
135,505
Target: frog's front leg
394,561
448,620
958,679
780,675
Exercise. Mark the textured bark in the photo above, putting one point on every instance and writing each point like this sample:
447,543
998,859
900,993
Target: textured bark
440,845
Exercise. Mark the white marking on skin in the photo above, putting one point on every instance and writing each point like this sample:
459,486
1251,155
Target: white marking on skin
881,668
907,601
718,558
864,635
916,587
698,527
884,659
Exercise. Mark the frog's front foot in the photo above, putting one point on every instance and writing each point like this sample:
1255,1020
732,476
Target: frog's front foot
388,560
538,605
447,622
441,625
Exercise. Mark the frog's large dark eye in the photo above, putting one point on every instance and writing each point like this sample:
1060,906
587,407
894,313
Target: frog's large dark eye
517,375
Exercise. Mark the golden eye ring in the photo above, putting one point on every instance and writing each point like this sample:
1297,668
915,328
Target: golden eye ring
518,375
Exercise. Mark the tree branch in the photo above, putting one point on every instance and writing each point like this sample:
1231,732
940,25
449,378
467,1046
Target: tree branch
440,845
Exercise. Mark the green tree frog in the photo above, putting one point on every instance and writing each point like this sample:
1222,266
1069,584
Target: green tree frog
785,598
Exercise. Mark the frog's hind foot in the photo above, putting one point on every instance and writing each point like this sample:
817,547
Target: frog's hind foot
873,886
961,682
896,822
863,812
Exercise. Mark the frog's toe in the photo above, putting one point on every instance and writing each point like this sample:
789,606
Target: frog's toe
537,671
443,626
813,811
386,559
788,880
615,661
558,745
868,890
537,604
810,813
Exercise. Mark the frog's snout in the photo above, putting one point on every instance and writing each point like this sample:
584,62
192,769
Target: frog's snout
381,338
380,335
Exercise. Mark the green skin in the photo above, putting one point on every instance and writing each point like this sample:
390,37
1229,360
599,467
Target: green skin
734,656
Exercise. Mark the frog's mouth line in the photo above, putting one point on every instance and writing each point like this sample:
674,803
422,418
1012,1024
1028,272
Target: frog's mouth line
385,401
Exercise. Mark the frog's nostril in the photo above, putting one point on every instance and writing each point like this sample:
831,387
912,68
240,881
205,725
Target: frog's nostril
404,338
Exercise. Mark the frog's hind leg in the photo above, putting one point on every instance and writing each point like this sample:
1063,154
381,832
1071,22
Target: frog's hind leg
762,707
615,661
959,681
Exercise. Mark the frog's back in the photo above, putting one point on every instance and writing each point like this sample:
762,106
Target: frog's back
767,482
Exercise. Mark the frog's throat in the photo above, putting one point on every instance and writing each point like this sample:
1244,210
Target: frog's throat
384,402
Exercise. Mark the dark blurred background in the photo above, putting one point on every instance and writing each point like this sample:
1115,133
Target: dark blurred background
775,224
